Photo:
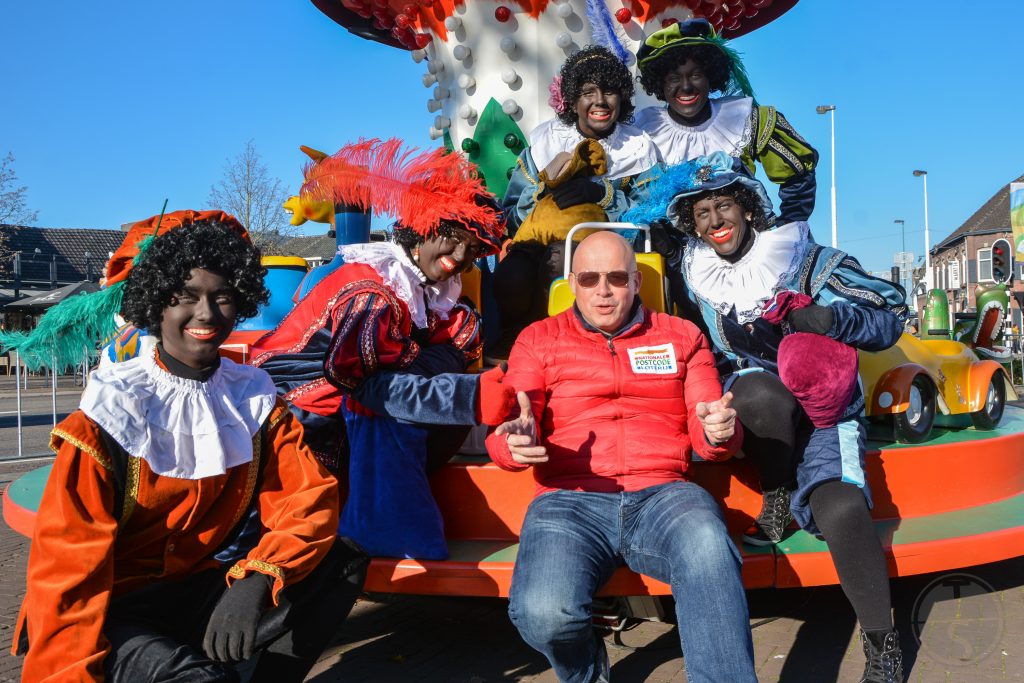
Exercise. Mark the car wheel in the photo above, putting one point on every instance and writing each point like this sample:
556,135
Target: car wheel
991,413
915,423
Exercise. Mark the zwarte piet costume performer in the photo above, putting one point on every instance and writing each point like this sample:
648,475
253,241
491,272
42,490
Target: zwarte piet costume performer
583,165
378,349
682,65
185,525
772,300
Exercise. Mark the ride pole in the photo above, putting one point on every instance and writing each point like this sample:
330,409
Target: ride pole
17,393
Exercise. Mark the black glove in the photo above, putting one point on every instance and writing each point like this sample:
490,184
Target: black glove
662,240
813,318
231,631
577,191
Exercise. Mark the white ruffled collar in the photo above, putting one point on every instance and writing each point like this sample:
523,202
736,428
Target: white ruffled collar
628,149
726,130
748,284
182,428
406,280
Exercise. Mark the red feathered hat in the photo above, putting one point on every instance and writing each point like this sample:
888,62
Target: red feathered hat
419,189
120,264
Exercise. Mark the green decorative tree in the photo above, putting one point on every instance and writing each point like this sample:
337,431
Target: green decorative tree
494,147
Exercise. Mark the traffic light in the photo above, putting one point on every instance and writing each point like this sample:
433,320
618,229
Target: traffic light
1002,261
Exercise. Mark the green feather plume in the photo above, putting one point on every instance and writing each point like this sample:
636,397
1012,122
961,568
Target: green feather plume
740,82
69,332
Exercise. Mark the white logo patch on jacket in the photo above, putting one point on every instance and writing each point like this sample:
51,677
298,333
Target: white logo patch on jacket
653,360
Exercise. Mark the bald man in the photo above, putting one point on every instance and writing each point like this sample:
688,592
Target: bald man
612,398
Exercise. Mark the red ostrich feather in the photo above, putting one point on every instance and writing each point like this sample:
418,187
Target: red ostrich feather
417,188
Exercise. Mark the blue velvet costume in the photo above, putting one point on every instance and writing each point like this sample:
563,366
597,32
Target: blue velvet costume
867,314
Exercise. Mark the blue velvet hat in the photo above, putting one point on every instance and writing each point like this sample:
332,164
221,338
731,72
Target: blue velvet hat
673,184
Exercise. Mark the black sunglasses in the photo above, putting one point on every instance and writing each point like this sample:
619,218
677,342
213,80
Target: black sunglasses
589,278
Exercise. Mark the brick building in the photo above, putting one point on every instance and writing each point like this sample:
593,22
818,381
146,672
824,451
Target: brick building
964,259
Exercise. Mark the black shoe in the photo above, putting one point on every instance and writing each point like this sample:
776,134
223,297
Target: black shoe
775,516
884,660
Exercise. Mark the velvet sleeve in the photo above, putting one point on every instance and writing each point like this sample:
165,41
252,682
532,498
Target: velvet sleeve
71,562
702,383
525,373
367,336
298,506
867,312
788,160
522,192
462,329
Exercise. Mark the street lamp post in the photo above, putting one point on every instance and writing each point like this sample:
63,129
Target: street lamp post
824,109
927,242
903,252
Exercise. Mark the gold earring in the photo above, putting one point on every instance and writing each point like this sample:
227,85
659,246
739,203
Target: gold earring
416,253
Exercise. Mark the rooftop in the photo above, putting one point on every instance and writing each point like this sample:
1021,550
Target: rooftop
992,217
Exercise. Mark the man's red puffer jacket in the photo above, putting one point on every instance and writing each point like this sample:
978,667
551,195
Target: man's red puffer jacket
616,413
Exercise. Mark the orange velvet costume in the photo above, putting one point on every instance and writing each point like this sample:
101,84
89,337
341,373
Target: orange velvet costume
82,555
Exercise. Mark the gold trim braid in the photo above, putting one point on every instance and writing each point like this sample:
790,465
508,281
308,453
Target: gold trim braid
131,489
100,458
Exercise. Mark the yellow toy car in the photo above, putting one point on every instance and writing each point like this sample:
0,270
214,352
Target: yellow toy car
917,383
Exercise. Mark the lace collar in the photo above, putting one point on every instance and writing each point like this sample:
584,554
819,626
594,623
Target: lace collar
748,284
406,280
726,130
628,149
182,428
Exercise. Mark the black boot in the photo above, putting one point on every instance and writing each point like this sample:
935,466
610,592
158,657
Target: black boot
775,516
884,660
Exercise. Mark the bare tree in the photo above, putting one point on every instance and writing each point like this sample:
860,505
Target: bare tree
13,205
253,196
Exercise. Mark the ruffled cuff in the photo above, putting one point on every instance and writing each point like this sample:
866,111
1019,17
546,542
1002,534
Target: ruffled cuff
243,568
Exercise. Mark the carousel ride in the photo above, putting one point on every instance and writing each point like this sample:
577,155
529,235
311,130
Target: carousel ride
946,459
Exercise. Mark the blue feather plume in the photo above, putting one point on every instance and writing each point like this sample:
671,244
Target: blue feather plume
603,29
666,182
658,194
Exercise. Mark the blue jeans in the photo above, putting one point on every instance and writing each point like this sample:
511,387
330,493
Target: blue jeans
573,541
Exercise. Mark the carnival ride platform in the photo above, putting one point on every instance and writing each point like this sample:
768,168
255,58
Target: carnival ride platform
954,501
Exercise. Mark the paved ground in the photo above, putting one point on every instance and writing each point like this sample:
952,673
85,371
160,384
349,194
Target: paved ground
972,629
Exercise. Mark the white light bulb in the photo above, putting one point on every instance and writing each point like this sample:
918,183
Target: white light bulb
564,10
435,66
461,52
563,40
435,133
508,44
509,107
509,76
466,81
442,122
433,106
441,92
453,23
418,56
466,111
429,80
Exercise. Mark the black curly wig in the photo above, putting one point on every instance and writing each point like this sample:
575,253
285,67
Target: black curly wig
712,61
595,64
745,197
166,265
410,239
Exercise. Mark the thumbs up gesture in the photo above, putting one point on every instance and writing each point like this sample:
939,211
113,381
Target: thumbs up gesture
521,434
718,419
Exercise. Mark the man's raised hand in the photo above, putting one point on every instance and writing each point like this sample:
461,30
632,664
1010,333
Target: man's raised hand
521,434
718,419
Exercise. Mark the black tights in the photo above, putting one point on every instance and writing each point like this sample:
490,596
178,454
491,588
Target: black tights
774,425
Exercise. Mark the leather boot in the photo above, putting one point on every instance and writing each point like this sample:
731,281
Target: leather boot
884,659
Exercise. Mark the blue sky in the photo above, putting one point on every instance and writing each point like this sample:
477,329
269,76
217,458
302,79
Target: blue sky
111,107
